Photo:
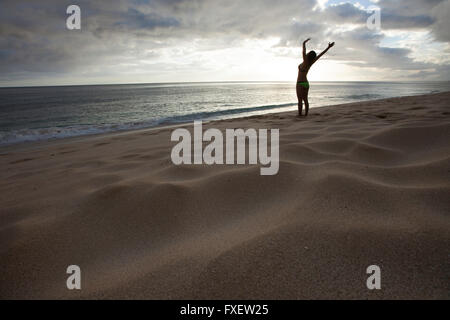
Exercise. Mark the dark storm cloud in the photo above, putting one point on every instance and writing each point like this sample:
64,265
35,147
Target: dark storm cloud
401,14
441,25
138,20
34,39
346,12
408,14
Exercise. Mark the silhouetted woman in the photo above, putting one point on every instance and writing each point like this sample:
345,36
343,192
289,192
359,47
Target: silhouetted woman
302,81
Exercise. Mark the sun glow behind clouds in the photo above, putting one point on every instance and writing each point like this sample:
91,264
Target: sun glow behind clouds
251,60
254,60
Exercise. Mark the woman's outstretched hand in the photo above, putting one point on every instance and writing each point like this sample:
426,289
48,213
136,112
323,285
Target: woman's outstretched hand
306,40
330,44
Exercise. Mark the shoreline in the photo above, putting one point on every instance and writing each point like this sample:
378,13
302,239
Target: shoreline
42,143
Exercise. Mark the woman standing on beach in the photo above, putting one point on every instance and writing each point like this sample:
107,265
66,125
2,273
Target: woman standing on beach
302,81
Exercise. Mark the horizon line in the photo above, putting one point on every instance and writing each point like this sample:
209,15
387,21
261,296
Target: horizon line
204,82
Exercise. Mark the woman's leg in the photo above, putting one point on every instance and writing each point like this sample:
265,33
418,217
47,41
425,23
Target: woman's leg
300,99
305,98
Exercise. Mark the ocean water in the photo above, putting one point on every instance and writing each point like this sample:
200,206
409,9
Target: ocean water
43,113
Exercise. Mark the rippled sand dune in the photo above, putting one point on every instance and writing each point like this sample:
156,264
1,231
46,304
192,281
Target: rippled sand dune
358,184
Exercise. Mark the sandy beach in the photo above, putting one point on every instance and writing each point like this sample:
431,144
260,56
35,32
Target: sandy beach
359,184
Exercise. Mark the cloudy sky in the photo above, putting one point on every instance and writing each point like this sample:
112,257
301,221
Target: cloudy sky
220,40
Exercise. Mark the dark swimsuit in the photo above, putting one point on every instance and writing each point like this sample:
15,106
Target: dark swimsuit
304,84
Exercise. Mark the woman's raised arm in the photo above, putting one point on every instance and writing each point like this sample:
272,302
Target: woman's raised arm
304,48
330,44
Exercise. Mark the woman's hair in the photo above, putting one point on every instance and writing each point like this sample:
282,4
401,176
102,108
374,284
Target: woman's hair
311,56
